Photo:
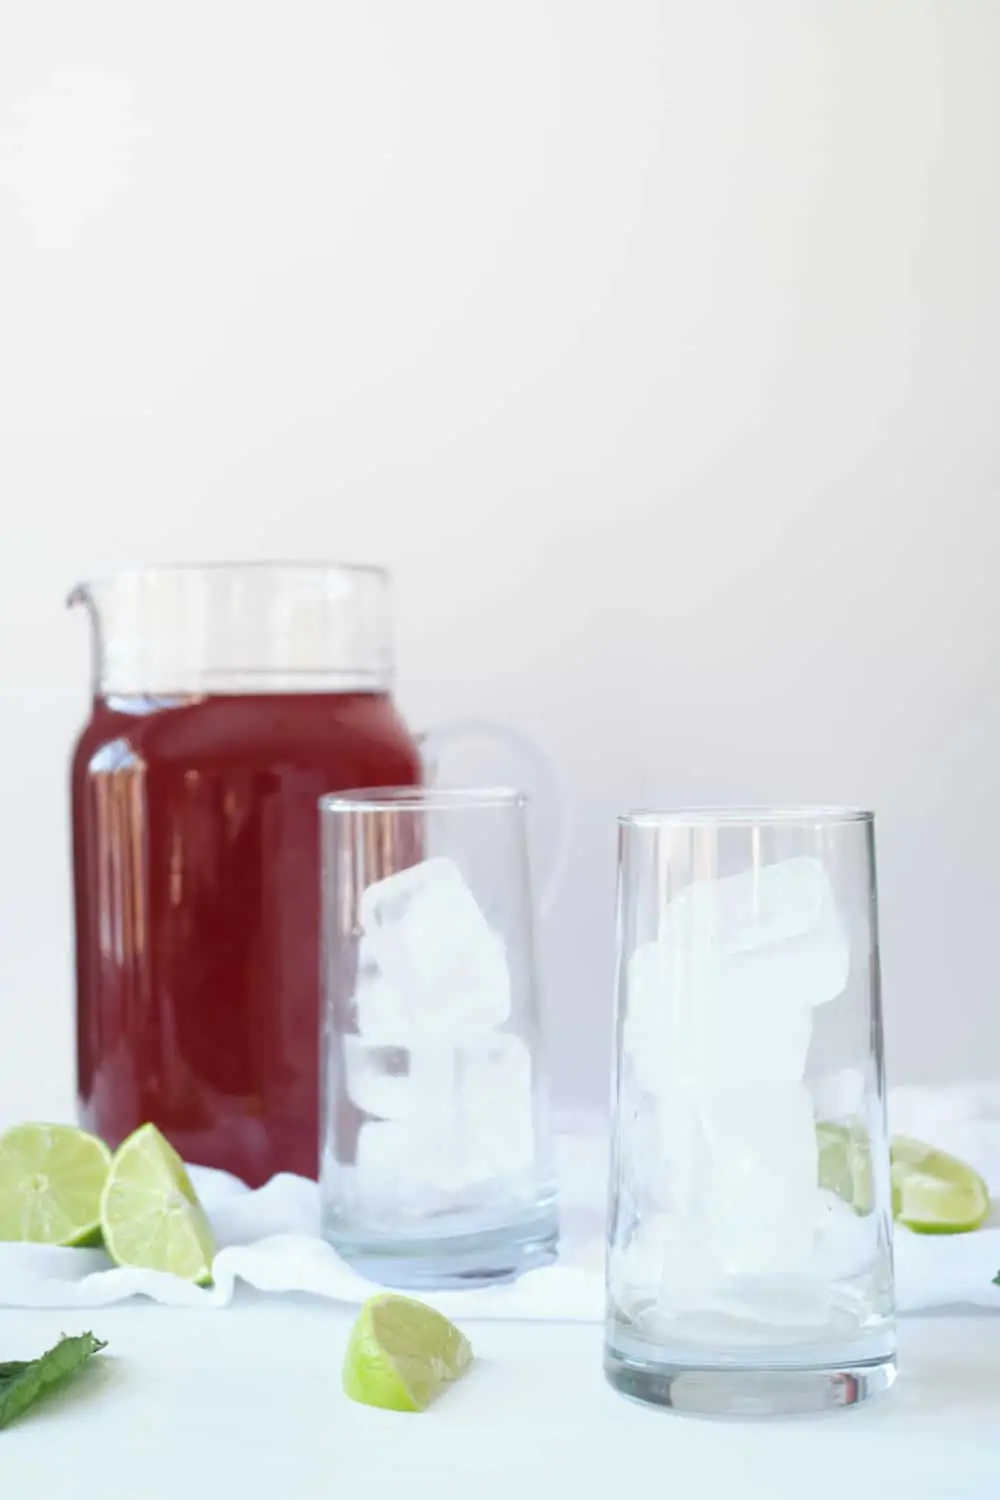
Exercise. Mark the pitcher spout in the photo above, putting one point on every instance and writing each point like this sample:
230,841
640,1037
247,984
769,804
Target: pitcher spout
85,594
81,593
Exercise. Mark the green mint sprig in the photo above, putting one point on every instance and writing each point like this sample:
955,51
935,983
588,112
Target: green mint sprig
23,1382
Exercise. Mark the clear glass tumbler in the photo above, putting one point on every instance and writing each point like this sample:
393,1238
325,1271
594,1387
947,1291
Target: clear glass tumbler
436,1159
749,1267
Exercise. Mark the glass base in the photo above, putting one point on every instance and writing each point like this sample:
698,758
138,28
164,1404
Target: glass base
722,1391
477,1258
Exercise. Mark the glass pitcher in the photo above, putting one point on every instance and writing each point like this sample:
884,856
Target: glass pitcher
227,700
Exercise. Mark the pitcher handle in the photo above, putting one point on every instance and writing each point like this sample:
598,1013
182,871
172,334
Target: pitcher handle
536,775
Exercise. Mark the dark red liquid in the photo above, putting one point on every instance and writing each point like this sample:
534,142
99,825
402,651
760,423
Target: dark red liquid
196,864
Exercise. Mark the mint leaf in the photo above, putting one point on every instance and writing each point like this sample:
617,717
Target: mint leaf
12,1371
23,1382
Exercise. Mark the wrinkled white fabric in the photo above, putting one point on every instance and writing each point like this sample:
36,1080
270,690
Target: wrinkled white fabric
270,1239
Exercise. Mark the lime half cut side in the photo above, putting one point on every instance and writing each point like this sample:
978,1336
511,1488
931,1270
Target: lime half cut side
51,1180
934,1193
402,1354
150,1214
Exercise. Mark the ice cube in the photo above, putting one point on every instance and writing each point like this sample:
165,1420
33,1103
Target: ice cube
758,1180
384,1149
841,1093
657,1028
846,1241
406,1171
738,1192
435,949
636,1264
495,1106
659,1270
381,1013
709,1028
460,1118
398,1083
657,1142
751,1035
724,996
743,1244
670,1287
774,927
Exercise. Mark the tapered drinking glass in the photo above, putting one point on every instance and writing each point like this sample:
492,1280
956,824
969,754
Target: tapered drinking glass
749,1263
436,1156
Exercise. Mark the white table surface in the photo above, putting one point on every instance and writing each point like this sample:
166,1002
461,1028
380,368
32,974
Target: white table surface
247,1402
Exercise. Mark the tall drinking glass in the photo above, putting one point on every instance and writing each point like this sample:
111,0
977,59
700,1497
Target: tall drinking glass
436,1162
749,1267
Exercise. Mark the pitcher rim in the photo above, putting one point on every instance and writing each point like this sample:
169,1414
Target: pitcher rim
293,564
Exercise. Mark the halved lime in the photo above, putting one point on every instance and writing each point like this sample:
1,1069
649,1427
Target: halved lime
934,1193
401,1354
845,1162
150,1214
51,1178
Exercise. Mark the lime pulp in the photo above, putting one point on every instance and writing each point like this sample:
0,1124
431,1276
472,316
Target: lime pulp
401,1354
150,1213
934,1193
51,1180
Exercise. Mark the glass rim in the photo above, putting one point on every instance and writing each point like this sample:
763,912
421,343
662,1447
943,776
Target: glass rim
421,799
742,817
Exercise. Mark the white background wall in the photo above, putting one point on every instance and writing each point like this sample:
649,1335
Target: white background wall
653,345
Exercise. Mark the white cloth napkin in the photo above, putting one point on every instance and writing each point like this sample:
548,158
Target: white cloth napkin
270,1239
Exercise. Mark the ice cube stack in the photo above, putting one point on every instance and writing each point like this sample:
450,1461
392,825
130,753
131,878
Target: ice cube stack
716,1035
446,1091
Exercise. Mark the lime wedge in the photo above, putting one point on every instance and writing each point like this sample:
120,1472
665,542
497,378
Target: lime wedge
51,1178
845,1163
935,1193
150,1214
401,1354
